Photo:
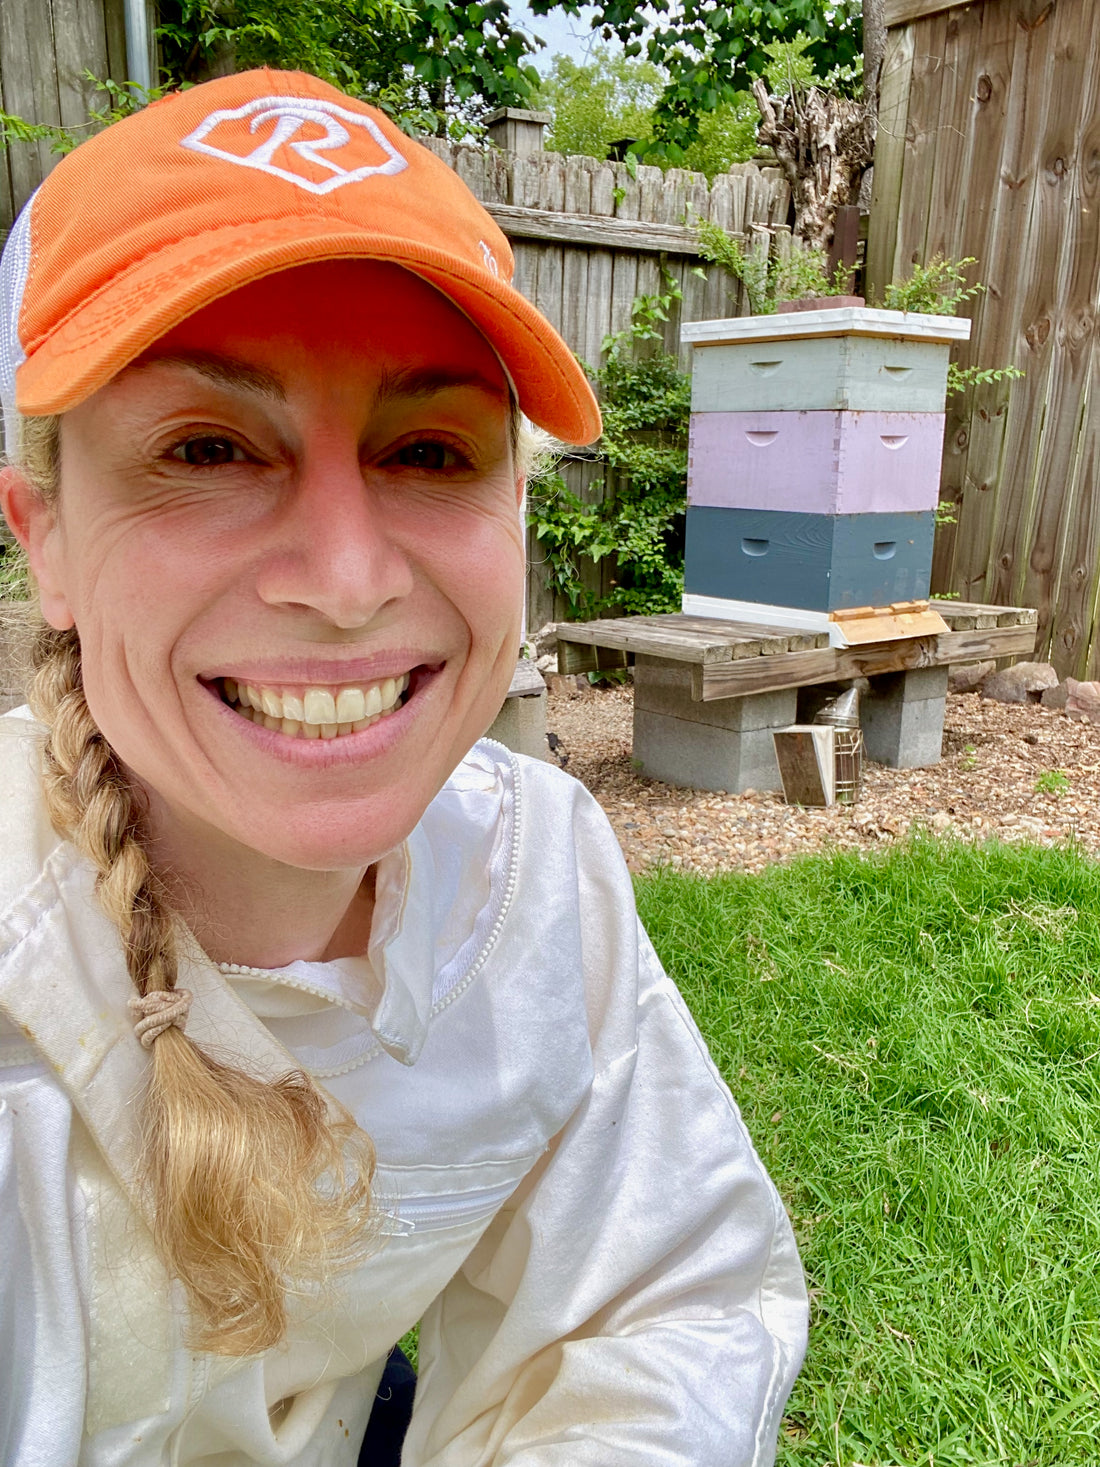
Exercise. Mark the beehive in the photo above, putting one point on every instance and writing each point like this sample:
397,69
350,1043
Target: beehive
814,458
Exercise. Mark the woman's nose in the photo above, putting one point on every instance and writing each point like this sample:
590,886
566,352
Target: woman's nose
332,552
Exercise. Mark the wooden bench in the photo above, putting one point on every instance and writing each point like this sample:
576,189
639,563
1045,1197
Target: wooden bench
709,693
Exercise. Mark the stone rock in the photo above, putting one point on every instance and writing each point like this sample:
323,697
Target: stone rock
560,682
969,677
1057,696
545,640
1082,701
1024,683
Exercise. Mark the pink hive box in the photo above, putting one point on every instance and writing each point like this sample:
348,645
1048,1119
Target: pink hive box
816,462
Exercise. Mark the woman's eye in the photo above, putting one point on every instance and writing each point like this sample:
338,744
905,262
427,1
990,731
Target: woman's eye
428,454
207,453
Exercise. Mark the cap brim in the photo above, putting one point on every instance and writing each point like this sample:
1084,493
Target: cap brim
125,317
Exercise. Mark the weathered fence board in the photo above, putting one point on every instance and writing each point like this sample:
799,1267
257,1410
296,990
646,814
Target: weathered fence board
979,422
893,120
999,103
588,230
625,227
900,12
46,46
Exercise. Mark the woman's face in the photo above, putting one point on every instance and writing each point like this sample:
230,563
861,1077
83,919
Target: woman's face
303,497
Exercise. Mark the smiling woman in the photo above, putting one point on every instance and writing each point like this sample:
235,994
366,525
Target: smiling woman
318,1016
321,524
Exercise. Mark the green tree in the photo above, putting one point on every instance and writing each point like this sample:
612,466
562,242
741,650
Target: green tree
448,64
597,103
199,38
613,96
711,50
434,61
437,65
726,135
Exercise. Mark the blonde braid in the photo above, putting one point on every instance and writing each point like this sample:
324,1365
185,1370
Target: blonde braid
254,1187
90,801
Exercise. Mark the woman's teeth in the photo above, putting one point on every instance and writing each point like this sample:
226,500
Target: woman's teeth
316,713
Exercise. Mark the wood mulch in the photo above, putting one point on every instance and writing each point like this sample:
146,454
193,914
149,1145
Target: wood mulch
985,785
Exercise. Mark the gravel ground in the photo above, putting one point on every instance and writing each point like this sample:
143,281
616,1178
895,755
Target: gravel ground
994,754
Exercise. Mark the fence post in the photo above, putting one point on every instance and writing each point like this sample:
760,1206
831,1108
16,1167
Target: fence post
515,131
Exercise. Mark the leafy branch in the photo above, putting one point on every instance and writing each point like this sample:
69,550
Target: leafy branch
646,404
936,289
711,52
801,274
120,101
959,379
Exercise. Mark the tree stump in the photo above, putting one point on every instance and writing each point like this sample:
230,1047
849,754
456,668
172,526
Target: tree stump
824,143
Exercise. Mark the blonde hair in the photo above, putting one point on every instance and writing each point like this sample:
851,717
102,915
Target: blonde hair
534,450
255,1186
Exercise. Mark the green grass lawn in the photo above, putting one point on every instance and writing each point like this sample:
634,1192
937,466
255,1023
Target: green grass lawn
915,1044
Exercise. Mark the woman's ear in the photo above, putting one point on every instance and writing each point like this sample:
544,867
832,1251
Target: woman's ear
34,524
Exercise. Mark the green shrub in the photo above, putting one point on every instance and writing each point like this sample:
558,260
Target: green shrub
646,403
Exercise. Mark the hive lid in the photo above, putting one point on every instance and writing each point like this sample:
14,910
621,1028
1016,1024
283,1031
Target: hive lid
832,321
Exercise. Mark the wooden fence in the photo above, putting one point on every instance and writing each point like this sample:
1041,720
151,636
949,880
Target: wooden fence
989,145
588,238
46,46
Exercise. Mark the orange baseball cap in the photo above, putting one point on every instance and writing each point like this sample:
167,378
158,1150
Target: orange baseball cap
213,187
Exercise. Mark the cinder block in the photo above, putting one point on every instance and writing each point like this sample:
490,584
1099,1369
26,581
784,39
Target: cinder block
662,685
521,725
702,756
902,728
913,686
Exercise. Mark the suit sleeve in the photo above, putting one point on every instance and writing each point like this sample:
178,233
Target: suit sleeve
42,1341
639,1300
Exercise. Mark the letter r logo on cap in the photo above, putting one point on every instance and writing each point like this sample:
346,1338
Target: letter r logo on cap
352,146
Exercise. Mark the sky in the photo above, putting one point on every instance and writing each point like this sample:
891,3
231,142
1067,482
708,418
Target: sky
564,34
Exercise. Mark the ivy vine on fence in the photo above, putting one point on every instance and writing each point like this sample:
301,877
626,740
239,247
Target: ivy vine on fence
646,403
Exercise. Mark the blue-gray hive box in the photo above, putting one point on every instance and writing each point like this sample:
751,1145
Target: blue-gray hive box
815,562
814,459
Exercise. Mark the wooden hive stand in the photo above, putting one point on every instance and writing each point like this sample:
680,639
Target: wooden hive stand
709,693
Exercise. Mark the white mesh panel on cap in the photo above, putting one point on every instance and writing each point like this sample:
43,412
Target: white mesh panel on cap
14,266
